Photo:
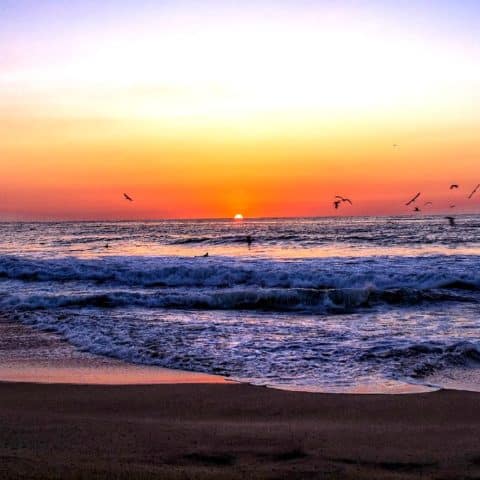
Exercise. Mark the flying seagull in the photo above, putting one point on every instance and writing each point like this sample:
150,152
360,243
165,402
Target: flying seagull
451,221
474,191
336,203
127,197
427,203
413,199
343,199
416,209
453,185
452,206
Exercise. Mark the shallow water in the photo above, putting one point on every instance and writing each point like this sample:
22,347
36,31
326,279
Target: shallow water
336,304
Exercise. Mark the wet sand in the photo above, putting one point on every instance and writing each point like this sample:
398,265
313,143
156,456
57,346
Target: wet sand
28,355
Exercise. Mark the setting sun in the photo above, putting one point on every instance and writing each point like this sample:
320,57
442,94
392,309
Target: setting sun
238,216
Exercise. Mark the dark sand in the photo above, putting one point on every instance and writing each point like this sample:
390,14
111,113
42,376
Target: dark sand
234,431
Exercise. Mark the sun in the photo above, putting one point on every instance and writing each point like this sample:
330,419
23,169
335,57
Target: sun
238,216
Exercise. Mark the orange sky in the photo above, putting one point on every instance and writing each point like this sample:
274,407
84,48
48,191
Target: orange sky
267,113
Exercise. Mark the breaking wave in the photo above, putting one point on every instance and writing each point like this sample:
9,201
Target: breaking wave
419,360
275,300
313,285
447,272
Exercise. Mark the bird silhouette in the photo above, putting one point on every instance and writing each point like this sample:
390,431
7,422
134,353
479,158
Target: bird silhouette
416,209
452,206
413,199
453,185
127,197
474,191
451,221
336,204
343,199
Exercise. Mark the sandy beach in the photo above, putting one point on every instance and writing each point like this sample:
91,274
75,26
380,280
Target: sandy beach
199,426
234,431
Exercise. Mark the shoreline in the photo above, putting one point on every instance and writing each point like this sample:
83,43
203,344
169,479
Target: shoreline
28,355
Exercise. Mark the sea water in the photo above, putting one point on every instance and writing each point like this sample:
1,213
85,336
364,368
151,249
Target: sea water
325,304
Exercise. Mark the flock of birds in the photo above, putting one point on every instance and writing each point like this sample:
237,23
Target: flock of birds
339,200
454,186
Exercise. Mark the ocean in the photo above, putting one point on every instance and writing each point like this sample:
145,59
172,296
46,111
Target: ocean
373,304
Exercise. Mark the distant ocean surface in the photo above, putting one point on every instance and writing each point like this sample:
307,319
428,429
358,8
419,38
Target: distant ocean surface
328,304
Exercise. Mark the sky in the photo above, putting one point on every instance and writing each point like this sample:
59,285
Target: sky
201,109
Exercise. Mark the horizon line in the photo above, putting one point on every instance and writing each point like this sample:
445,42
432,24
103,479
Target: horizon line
245,219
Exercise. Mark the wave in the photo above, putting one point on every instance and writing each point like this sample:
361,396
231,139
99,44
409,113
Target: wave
233,239
276,300
188,240
421,359
382,273
260,348
314,285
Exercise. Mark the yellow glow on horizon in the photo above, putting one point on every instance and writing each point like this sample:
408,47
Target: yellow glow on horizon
204,114
238,216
